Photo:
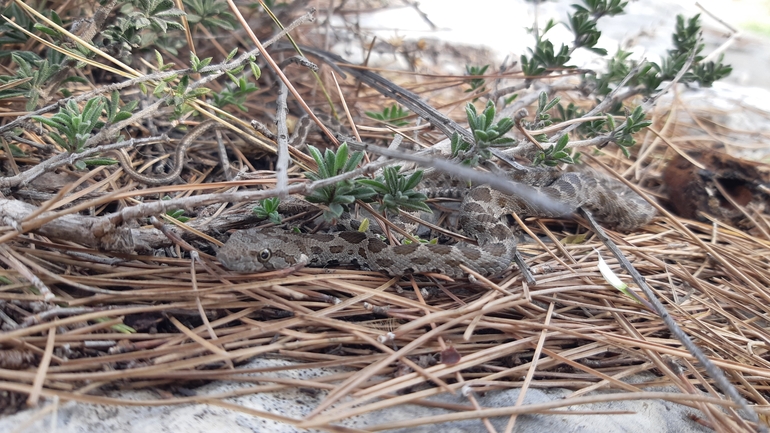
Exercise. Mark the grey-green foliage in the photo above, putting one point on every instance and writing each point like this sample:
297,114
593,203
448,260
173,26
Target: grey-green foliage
35,73
542,116
556,154
196,64
72,127
177,214
476,84
635,122
394,190
177,93
338,196
212,14
397,191
686,40
486,134
268,209
393,115
114,112
544,58
10,35
238,91
140,24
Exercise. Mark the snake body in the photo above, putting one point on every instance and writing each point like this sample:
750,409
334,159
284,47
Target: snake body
482,218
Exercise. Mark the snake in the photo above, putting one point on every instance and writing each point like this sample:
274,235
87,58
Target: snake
482,218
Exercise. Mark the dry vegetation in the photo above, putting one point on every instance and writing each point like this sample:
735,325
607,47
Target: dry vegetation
66,301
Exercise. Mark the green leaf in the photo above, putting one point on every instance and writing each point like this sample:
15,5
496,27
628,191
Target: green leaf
379,187
121,116
562,143
480,135
159,90
353,162
231,54
255,70
100,161
502,141
316,154
489,114
46,121
413,180
336,209
46,30
341,158
330,162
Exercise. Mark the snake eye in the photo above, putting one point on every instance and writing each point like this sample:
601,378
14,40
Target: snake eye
264,255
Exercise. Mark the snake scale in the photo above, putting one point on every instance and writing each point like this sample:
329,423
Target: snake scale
482,217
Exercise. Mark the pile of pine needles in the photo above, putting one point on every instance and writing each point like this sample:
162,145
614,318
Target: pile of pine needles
95,320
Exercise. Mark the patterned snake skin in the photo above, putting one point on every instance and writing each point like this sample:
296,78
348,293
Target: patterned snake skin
482,217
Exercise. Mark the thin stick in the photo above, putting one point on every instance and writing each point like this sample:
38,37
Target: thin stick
532,368
42,369
719,377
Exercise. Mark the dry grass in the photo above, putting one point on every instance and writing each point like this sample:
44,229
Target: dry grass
196,321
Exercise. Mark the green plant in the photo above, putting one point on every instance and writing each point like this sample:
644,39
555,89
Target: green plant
582,23
571,111
175,89
486,134
397,191
583,26
178,214
141,23
114,112
156,15
542,117
235,95
10,35
268,209
33,73
556,154
337,197
544,58
120,327
72,127
600,8
212,14
634,123
394,115
687,41
196,64
477,84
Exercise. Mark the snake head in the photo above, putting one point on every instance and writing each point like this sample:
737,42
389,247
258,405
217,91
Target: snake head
258,250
